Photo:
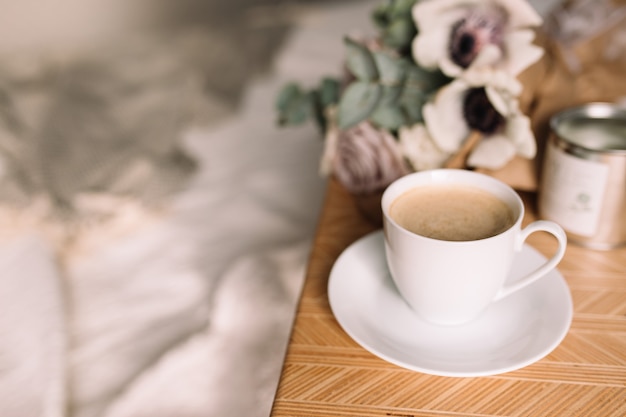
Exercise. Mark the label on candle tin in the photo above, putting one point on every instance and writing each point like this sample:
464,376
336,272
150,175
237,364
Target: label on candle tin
573,191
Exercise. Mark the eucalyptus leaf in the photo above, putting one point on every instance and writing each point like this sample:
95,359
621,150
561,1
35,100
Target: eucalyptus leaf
401,8
400,33
317,109
329,92
297,114
294,106
413,113
360,61
390,117
380,15
391,69
357,103
425,80
289,94
390,95
412,101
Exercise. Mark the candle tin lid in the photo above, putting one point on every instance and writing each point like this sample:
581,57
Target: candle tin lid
594,127
583,182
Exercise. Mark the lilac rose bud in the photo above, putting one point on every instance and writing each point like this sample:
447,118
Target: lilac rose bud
367,159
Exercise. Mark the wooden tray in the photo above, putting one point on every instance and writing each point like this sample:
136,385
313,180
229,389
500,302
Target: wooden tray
326,373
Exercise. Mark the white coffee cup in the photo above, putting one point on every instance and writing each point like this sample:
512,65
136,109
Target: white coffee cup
451,282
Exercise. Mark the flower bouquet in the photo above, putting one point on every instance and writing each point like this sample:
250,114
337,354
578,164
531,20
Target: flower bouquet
444,83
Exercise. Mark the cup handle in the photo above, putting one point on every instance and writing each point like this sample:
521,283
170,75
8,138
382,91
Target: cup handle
537,226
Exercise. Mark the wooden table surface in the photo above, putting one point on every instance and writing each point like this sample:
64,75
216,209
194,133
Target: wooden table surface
326,373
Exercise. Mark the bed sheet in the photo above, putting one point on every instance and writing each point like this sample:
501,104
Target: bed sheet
183,309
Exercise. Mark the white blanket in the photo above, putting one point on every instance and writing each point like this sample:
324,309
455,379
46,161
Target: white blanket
184,310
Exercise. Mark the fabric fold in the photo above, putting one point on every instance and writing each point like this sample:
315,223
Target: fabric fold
32,330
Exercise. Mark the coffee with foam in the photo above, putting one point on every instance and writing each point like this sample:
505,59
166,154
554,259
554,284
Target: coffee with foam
451,212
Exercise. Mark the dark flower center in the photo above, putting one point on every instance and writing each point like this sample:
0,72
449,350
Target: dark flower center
480,114
470,34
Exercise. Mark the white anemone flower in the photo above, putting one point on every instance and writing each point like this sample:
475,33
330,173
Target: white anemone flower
419,148
466,35
493,110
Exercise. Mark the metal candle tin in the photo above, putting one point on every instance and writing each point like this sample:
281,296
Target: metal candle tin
583,182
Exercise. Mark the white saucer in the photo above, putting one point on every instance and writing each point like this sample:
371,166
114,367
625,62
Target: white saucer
512,333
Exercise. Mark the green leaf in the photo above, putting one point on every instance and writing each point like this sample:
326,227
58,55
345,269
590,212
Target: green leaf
357,103
329,92
317,109
389,117
401,8
360,61
380,15
400,33
390,95
391,70
294,106
412,101
296,115
289,94
425,80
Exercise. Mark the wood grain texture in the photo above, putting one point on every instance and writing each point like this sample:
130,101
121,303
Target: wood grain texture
327,374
